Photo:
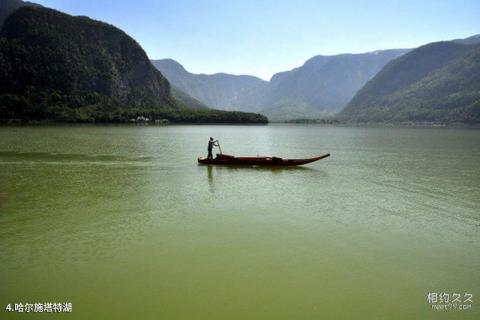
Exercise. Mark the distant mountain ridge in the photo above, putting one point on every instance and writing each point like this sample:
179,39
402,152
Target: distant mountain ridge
475,39
437,82
323,85
220,90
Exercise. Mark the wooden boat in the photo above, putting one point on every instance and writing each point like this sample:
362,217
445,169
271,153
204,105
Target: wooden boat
225,159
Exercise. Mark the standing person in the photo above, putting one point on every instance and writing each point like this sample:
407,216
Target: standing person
211,144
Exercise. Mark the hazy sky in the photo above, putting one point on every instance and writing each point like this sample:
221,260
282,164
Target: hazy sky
267,36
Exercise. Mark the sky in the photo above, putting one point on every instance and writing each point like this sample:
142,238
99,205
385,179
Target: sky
263,37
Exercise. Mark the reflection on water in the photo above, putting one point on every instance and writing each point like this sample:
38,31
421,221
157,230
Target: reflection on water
122,222
210,177
252,169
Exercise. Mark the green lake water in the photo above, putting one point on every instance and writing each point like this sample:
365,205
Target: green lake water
122,222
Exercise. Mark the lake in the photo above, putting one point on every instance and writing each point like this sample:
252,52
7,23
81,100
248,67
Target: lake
123,223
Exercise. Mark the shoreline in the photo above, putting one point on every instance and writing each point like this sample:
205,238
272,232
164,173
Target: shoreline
149,124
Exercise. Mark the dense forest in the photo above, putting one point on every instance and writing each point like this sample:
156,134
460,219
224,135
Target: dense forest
57,67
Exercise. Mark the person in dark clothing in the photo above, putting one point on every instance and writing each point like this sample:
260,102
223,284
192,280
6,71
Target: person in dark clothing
211,144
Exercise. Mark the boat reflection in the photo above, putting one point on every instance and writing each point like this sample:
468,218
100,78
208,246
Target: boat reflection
274,169
214,171
210,178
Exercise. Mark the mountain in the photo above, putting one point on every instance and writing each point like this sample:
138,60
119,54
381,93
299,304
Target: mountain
470,40
50,58
7,7
438,82
220,91
59,67
185,99
323,85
